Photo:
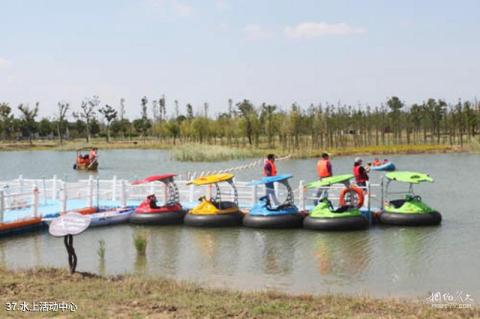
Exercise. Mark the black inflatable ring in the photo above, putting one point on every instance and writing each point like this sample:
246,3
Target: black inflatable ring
425,219
170,218
274,222
217,220
340,223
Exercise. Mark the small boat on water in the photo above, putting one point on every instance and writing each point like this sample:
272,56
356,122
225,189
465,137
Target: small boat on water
111,216
346,216
103,216
385,167
148,212
86,161
21,226
213,211
264,215
410,210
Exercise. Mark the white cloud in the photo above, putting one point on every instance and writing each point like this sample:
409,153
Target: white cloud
4,63
222,4
254,32
168,6
182,10
310,30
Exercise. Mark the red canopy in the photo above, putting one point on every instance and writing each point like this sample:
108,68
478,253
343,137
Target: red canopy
164,177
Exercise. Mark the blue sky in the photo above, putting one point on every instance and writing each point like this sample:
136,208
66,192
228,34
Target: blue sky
209,51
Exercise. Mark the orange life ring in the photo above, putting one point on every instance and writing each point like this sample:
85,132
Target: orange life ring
355,189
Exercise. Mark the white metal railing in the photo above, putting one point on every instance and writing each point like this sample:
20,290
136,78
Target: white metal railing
24,193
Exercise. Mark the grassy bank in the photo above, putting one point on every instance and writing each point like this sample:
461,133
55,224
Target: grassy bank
137,297
212,153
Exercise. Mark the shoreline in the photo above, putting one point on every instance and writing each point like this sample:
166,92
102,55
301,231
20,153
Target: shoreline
138,296
245,152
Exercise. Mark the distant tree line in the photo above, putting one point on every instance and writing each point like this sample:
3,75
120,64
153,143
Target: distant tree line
323,125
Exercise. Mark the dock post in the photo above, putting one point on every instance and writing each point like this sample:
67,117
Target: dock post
90,191
54,187
114,188
63,198
35,202
254,194
123,195
301,195
2,205
20,182
191,193
44,185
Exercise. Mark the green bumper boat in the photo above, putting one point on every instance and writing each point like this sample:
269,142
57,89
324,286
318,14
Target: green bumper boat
410,210
346,217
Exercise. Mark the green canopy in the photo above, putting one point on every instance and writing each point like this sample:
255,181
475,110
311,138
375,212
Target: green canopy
409,177
327,181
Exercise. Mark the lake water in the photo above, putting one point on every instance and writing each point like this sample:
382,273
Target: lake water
381,261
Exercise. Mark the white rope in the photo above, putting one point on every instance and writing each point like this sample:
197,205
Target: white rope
239,167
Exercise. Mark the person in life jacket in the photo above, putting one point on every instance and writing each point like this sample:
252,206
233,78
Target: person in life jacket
360,173
376,162
270,169
93,154
324,169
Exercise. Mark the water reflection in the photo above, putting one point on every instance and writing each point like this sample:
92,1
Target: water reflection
212,249
415,247
165,246
342,254
140,265
276,250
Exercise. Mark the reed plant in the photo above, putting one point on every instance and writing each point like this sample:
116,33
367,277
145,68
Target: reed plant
140,241
101,249
212,153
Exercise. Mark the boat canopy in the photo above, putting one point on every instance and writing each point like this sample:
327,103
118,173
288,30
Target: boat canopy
212,179
162,178
272,179
327,181
409,177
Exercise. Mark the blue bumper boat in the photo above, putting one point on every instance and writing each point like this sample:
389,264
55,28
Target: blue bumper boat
266,215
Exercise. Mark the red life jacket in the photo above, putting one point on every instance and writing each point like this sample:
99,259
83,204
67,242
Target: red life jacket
359,178
322,168
272,165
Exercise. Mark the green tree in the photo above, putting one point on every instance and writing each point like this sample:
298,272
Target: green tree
249,115
63,108
87,113
28,115
6,121
109,114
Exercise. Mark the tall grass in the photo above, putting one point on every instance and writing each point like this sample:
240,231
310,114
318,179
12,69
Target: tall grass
212,153
140,241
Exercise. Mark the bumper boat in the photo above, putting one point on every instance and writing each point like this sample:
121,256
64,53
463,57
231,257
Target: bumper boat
410,210
347,216
385,167
265,215
215,212
148,212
